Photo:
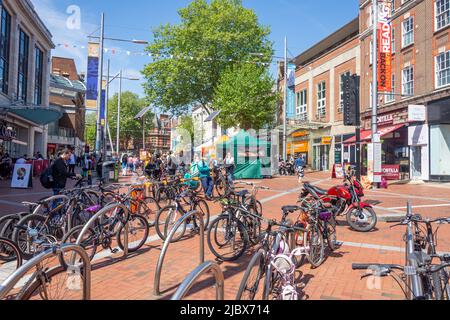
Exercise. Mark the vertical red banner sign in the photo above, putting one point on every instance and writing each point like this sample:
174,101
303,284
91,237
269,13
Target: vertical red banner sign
384,46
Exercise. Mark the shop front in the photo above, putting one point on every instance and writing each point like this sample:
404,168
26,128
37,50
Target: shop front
321,153
298,145
439,131
394,134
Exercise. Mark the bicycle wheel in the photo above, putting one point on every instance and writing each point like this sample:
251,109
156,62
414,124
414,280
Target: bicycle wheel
202,207
10,257
228,234
164,197
331,234
7,225
58,284
316,247
138,230
149,208
220,187
250,284
30,234
89,242
165,220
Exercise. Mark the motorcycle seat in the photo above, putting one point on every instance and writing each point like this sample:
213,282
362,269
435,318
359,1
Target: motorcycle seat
290,209
319,191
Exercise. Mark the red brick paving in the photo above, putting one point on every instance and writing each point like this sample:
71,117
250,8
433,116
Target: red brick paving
132,279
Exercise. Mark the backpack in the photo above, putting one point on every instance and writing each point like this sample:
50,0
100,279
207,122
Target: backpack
46,178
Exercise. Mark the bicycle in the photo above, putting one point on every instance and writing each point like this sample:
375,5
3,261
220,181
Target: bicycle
169,215
10,257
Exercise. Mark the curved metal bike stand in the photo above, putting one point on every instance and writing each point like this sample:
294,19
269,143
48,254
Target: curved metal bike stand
52,198
105,210
157,281
189,282
13,279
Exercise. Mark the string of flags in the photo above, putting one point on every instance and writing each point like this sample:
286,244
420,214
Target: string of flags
114,51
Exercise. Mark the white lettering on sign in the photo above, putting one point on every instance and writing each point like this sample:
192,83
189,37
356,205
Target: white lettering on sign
385,118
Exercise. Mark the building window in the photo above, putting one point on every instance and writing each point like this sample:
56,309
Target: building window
408,31
341,91
443,69
391,97
408,81
38,76
371,95
442,13
5,34
393,40
302,104
371,52
321,100
24,42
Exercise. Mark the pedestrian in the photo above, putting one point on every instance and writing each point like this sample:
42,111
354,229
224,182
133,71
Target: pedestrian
39,156
171,165
22,160
230,166
60,171
6,163
87,167
124,164
205,177
72,162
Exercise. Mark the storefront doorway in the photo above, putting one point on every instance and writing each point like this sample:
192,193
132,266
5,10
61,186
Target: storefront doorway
416,163
321,157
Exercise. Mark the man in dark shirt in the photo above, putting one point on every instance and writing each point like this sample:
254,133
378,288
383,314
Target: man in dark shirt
60,171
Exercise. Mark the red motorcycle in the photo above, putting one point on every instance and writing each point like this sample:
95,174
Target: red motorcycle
344,199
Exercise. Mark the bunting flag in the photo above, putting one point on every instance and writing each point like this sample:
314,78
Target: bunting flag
157,57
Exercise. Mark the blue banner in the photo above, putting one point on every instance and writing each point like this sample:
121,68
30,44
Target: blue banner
92,83
290,106
102,109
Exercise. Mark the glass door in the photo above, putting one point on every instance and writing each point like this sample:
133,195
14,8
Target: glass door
416,162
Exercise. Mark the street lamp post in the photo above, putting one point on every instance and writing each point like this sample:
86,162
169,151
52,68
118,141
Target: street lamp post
118,114
98,144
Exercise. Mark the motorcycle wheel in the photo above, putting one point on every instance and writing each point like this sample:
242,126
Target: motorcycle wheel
362,225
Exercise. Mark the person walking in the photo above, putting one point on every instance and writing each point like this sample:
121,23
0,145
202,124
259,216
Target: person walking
205,177
124,165
6,163
72,162
60,171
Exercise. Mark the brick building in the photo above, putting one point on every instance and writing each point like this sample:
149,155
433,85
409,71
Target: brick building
421,76
317,129
159,139
67,91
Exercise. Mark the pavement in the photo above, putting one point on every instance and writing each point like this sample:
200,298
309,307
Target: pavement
116,278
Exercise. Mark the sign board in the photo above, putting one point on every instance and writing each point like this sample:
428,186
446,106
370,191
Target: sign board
417,113
391,172
374,168
384,39
22,176
338,171
7,133
327,140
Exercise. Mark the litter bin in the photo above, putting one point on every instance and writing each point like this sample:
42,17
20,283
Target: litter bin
110,172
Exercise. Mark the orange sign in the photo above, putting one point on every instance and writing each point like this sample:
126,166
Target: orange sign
384,47
327,140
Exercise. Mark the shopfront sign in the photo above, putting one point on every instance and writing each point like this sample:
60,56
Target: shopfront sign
384,46
417,113
391,172
385,119
7,133
327,140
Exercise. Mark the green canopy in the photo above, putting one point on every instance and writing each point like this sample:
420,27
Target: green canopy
245,149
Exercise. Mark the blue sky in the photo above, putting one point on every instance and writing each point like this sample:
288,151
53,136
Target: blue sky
304,22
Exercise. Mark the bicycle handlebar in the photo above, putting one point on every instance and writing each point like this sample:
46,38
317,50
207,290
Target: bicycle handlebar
365,266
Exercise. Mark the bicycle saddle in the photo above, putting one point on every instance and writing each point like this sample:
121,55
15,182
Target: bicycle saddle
290,209
242,193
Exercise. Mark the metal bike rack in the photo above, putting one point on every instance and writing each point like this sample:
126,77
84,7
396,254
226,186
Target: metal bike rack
157,280
189,282
50,199
105,210
14,278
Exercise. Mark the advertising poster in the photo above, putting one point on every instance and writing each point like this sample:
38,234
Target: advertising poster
290,106
92,75
21,176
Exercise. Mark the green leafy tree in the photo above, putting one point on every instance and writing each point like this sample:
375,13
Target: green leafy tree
90,128
193,54
130,128
245,97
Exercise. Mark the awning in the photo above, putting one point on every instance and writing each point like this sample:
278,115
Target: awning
37,114
366,135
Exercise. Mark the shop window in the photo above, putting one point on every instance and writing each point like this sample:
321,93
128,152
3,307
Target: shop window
442,8
443,69
440,150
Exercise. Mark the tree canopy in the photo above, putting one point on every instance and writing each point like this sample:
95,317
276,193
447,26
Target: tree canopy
245,97
193,55
130,128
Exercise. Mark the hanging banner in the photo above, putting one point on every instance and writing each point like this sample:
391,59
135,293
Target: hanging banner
290,106
103,105
92,75
384,46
